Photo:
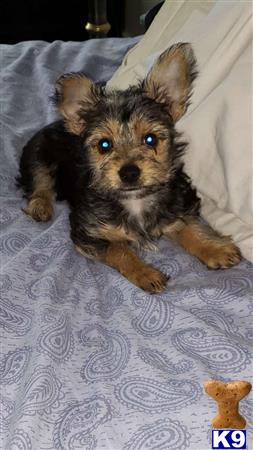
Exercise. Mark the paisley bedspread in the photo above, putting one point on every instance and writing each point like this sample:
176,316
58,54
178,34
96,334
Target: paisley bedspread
88,361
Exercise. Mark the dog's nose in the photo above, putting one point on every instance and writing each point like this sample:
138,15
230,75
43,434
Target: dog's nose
129,173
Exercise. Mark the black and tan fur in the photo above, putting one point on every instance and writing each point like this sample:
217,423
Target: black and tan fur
111,214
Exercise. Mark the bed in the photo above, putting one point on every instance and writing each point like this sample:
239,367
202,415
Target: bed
89,361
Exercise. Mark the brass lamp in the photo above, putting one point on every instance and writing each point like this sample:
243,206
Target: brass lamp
97,25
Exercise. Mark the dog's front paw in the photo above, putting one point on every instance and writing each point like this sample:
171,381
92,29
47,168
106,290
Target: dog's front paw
39,209
221,256
150,280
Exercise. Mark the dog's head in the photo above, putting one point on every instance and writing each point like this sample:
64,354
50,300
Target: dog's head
129,136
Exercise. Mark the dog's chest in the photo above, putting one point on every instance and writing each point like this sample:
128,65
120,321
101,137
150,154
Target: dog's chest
140,222
137,208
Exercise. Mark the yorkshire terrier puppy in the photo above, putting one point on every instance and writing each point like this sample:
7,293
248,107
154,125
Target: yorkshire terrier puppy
116,158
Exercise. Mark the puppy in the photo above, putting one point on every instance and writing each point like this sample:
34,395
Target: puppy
116,158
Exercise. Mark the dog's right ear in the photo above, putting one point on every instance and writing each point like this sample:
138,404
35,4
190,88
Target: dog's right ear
74,95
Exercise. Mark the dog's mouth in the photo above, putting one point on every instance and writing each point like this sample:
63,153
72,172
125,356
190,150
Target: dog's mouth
140,187
132,189
144,190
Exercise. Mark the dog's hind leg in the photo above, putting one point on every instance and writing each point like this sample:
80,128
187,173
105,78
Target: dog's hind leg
40,200
214,250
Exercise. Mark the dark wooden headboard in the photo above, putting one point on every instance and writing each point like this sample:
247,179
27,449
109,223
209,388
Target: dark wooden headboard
50,20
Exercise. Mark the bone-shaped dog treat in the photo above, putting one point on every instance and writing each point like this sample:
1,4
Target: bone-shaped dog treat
228,395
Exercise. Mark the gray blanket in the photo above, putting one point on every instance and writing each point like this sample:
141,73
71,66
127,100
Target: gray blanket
89,361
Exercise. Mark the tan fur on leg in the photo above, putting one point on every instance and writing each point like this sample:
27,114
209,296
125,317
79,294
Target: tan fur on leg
122,258
40,204
214,250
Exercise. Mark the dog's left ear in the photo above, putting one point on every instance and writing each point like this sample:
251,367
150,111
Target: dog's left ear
170,79
74,95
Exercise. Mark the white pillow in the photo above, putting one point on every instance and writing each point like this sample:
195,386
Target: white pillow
218,124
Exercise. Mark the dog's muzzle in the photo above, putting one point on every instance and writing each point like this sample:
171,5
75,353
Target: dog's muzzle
129,174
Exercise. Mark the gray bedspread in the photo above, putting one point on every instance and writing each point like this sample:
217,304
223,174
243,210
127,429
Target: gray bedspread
88,361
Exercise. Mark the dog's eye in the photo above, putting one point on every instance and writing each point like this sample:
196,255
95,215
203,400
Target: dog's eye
105,145
150,139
